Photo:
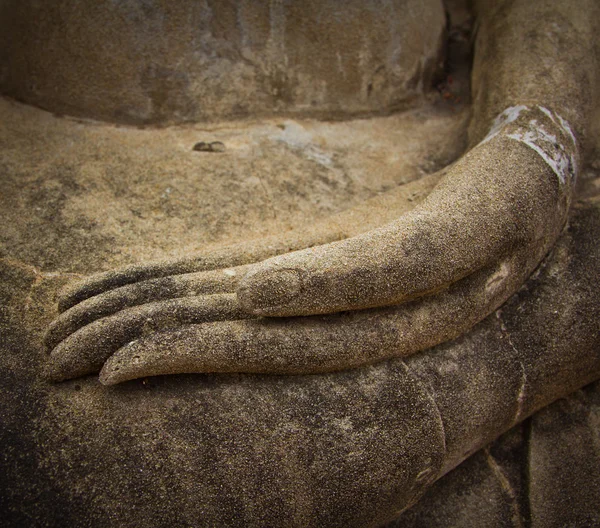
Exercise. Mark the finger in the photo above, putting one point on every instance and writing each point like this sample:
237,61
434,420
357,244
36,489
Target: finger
87,349
501,195
319,343
226,257
371,213
112,301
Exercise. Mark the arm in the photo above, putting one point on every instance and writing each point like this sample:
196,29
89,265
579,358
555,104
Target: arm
421,279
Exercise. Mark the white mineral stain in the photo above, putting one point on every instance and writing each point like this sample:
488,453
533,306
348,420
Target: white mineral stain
533,134
297,137
509,115
547,146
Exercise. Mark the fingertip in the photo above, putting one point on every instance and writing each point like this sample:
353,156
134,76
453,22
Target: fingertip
47,339
108,378
68,360
79,290
111,372
54,372
52,336
70,295
123,365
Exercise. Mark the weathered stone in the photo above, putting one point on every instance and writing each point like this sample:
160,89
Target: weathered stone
350,448
154,61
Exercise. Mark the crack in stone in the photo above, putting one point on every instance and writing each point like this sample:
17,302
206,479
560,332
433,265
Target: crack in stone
523,387
522,393
506,487
427,388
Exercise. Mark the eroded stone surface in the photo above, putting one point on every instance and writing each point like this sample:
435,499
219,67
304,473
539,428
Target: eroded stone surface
79,187
172,62
71,445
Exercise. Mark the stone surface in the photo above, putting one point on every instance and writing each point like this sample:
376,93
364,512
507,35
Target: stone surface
351,449
240,449
71,189
78,457
542,473
155,61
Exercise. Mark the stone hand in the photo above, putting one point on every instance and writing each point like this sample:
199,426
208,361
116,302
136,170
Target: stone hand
421,279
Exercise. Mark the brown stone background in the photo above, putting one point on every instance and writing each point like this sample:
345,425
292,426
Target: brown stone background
156,61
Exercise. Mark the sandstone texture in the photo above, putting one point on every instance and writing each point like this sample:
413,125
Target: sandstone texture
496,427
159,62
243,450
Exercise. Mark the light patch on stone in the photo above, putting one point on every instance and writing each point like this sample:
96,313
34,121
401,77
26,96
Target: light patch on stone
300,139
509,115
229,272
344,424
548,113
548,147
535,135
497,279
423,474
295,135
564,123
567,128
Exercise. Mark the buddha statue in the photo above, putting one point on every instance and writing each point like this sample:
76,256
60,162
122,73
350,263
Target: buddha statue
333,354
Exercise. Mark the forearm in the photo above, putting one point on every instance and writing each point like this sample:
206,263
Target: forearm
534,53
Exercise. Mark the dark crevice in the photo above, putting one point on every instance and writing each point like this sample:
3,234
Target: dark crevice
525,505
